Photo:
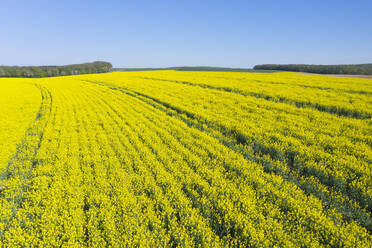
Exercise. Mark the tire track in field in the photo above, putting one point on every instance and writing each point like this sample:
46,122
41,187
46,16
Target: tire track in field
21,164
195,198
349,211
153,170
193,191
335,110
53,197
354,193
100,101
358,92
233,139
148,144
362,92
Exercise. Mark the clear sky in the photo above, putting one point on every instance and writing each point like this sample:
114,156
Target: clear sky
175,33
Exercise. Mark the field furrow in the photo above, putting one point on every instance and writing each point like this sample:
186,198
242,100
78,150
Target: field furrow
16,176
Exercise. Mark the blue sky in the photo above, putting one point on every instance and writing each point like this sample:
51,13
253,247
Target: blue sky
175,33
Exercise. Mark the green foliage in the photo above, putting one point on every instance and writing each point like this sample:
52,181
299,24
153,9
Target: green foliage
192,68
51,71
362,69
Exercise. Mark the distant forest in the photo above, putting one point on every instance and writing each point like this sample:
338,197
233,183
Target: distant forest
192,68
360,69
52,71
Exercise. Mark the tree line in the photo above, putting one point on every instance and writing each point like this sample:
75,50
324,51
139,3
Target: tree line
52,71
192,68
361,69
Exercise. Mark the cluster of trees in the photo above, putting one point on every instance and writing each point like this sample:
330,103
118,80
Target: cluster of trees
361,69
51,71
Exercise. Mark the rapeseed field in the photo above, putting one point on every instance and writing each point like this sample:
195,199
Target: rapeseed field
186,159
